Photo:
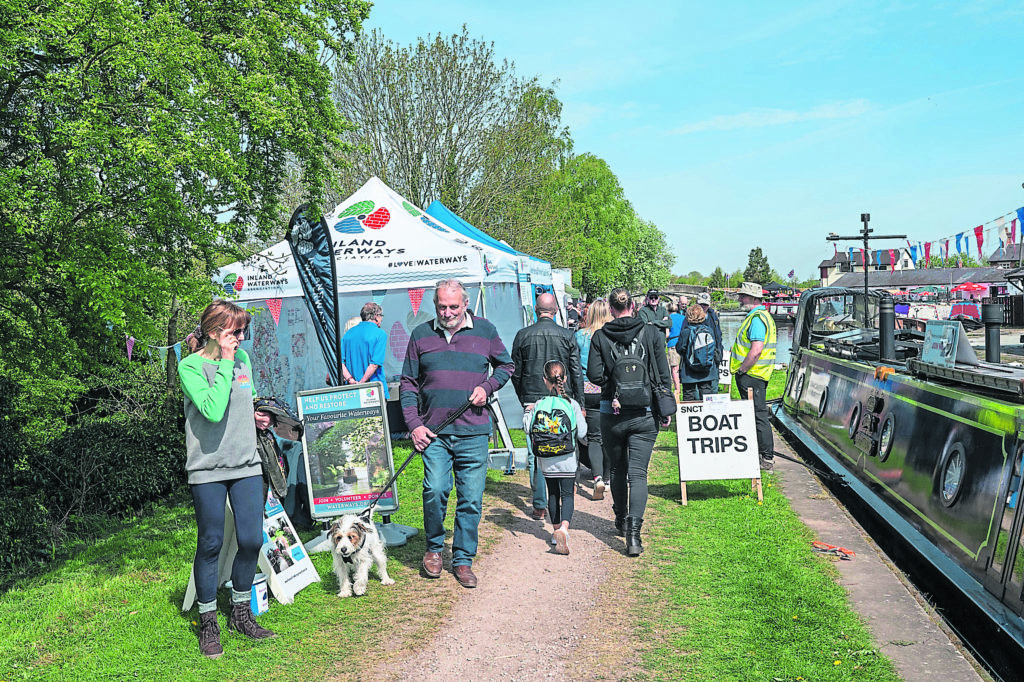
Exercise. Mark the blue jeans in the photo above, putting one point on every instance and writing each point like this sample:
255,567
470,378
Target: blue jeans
537,483
466,458
247,507
629,441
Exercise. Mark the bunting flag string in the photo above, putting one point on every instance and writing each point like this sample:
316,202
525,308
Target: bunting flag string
415,298
892,259
274,304
177,351
131,344
1002,229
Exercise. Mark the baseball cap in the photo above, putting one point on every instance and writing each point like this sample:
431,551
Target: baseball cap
704,298
652,292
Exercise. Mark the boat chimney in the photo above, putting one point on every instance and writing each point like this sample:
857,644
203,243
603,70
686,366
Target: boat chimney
886,328
992,316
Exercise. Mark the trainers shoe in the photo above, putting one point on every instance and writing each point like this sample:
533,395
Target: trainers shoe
599,490
561,541
552,540
538,514
767,465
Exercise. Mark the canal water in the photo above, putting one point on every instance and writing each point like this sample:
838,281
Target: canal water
731,324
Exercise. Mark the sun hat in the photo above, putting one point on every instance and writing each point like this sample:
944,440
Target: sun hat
752,289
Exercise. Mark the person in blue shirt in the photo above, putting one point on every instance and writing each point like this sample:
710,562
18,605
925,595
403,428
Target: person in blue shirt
364,346
677,318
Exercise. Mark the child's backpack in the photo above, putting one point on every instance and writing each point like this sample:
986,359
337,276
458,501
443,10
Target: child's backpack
629,374
551,431
700,349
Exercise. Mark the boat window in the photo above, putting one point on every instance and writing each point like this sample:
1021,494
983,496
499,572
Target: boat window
843,314
854,420
823,402
952,474
885,438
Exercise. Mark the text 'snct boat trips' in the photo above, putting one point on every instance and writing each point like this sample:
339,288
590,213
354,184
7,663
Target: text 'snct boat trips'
930,439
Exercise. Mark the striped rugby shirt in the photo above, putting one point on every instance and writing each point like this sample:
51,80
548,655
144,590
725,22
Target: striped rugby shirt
441,370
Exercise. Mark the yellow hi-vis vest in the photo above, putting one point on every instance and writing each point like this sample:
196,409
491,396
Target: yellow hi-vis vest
762,369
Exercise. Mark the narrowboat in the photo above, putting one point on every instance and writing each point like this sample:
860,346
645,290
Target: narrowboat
929,437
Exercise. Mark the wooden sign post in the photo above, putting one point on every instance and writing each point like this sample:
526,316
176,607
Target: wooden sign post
717,440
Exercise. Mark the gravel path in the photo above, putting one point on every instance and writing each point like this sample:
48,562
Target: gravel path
535,613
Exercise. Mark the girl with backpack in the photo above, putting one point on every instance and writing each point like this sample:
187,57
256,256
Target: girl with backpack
555,424
627,360
697,352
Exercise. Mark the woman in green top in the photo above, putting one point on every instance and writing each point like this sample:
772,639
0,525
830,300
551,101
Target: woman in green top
220,437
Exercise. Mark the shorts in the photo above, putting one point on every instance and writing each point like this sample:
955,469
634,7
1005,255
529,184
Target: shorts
673,357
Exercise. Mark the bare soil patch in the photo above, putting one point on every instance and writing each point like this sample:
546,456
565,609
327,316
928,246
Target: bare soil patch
535,614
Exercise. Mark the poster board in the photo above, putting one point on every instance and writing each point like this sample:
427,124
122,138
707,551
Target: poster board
283,558
724,375
347,448
717,440
946,344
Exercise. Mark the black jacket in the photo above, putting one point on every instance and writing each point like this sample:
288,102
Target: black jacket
622,331
656,316
532,348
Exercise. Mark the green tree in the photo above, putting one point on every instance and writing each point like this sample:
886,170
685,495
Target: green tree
443,119
717,279
647,260
137,140
758,269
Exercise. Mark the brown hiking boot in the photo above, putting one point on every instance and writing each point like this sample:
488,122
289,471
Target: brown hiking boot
242,621
209,635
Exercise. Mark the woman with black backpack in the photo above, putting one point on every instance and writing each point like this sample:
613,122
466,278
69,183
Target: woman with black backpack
627,360
697,351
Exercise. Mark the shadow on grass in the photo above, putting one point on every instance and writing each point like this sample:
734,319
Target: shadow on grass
695,490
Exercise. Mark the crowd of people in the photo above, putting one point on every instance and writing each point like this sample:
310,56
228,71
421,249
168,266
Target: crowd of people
588,395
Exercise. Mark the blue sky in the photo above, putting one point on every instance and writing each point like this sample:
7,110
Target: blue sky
740,124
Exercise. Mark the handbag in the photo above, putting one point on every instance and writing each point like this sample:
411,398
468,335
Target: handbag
663,403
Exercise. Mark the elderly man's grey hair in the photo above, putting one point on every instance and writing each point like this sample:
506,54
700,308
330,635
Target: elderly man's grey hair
451,284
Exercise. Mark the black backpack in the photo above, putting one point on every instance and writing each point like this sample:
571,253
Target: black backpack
551,432
629,374
700,349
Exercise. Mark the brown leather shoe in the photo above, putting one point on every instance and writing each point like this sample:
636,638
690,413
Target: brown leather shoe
538,514
432,564
465,575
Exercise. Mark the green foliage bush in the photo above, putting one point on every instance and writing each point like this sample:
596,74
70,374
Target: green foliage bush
112,465
109,464
28,539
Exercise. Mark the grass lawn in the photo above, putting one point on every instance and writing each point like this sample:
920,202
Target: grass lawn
729,590
732,591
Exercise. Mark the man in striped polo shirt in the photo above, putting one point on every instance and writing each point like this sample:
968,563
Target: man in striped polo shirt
454,358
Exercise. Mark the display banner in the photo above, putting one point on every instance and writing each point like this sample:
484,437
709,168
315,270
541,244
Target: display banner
282,557
717,441
348,451
314,259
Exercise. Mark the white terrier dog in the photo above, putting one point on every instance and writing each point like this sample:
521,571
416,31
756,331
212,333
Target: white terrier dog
357,545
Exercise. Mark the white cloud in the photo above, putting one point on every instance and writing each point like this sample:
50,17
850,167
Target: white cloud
763,117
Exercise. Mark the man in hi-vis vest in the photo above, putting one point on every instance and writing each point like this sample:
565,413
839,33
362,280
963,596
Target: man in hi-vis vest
751,365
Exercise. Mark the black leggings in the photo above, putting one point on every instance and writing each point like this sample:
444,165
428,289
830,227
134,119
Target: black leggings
247,507
561,498
629,441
